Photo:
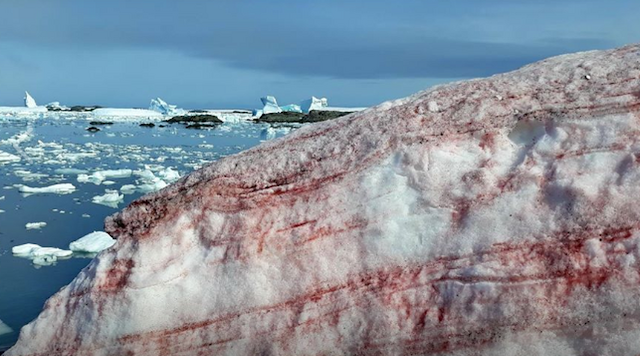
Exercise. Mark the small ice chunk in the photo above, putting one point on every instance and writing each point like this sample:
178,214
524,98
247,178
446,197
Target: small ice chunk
86,215
92,243
152,186
62,188
35,225
128,189
4,328
24,249
72,171
111,198
169,175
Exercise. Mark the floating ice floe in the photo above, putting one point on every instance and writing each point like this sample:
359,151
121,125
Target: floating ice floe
19,138
270,105
125,113
128,189
6,157
70,171
35,225
62,188
4,328
111,198
163,108
99,177
92,243
42,256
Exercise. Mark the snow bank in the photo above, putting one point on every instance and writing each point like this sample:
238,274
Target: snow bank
92,243
62,188
504,223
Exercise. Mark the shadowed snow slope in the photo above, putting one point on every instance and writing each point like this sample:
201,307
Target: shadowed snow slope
490,217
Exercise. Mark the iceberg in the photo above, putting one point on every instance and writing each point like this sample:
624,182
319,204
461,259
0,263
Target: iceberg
492,226
92,243
270,105
40,256
62,188
163,108
29,101
313,104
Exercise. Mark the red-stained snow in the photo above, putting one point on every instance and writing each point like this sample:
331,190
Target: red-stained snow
490,217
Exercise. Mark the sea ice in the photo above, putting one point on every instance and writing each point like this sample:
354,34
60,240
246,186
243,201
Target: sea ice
99,177
128,189
62,188
92,243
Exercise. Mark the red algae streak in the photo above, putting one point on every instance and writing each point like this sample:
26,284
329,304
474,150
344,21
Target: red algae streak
491,217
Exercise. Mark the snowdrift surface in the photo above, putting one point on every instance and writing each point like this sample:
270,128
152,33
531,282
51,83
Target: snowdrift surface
490,217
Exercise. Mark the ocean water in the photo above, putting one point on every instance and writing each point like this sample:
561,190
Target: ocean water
49,147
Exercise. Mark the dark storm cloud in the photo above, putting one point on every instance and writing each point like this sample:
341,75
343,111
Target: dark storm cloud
364,41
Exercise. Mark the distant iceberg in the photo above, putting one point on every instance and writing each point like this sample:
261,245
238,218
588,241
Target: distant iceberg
29,101
270,105
313,104
162,107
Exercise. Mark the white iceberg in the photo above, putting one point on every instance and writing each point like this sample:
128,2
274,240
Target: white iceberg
152,185
270,105
92,243
62,188
111,198
35,225
29,101
163,108
313,104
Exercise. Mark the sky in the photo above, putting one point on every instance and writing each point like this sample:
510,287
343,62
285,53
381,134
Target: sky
229,53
